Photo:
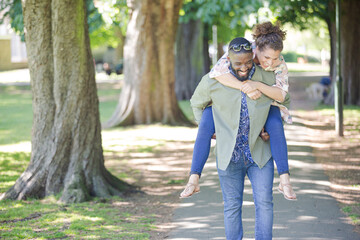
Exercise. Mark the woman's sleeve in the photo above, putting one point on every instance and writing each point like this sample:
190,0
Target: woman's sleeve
282,77
221,67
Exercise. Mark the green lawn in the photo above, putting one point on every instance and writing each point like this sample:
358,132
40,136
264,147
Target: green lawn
16,114
47,218
351,116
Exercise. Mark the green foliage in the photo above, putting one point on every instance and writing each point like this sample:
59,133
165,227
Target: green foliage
94,19
293,56
230,16
13,10
115,19
303,14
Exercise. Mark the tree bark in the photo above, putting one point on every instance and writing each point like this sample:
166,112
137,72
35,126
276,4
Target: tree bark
67,154
350,51
330,21
207,60
148,93
189,62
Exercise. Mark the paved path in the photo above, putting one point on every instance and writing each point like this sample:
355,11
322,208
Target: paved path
314,216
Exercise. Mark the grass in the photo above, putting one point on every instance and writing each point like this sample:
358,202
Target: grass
47,219
349,211
16,111
308,67
11,166
351,115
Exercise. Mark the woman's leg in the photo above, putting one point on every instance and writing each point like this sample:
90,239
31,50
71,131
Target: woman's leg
203,141
201,151
274,127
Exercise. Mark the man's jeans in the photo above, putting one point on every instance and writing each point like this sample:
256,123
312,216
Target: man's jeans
232,186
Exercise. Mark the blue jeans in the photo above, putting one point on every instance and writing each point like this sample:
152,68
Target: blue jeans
232,186
203,141
273,126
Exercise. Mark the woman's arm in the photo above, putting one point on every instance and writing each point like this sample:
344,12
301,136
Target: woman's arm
277,91
272,92
229,80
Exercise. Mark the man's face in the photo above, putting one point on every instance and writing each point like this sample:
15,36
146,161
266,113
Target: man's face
241,64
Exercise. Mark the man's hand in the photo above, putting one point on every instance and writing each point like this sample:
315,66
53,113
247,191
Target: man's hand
248,86
254,94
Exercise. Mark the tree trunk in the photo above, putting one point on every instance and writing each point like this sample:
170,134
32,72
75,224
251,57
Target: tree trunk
207,60
120,47
220,52
350,51
189,62
66,153
330,21
148,93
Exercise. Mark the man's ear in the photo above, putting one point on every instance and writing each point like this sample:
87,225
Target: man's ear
227,57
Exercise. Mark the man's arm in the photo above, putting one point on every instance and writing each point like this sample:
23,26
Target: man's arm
200,99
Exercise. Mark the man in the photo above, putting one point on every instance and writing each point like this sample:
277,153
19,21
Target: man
239,149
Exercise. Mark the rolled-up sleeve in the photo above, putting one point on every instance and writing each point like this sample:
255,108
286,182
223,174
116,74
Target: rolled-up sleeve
200,99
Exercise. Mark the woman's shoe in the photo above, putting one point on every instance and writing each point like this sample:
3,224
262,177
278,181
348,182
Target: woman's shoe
189,190
287,191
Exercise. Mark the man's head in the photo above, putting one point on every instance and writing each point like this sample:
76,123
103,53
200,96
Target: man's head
240,57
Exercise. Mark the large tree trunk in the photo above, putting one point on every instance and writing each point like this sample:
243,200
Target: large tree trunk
66,153
148,93
350,51
330,21
189,63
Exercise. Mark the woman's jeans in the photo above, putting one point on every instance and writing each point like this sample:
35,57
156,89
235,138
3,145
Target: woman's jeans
232,186
203,141
273,126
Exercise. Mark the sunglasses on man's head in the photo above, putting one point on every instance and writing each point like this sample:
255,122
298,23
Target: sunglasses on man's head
237,47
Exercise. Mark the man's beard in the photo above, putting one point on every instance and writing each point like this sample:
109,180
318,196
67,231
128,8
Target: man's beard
234,72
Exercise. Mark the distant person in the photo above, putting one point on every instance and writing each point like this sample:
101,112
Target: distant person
267,54
107,68
240,151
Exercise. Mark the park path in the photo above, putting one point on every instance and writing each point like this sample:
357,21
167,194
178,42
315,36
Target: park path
314,216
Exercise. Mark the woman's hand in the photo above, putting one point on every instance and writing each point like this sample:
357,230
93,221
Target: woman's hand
264,135
249,86
254,94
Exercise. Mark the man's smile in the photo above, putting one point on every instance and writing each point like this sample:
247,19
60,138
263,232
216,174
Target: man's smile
241,73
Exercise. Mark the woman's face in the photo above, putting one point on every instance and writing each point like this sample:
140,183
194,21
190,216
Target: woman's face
268,58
